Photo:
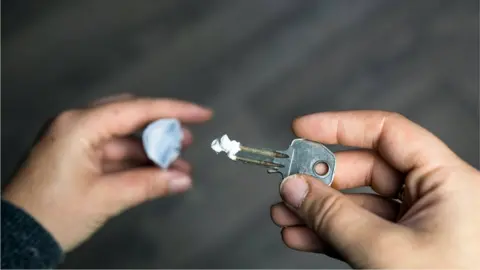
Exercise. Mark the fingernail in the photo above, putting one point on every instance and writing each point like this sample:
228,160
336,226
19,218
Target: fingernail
179,184
294,189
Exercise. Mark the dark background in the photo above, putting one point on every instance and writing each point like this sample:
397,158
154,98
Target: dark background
258,64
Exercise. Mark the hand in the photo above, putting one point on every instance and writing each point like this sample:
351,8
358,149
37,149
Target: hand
86,168
436,226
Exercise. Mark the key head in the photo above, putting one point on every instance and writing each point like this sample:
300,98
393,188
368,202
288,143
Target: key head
304,156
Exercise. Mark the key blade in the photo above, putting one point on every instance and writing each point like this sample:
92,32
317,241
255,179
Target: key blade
260,157
263,152
258,162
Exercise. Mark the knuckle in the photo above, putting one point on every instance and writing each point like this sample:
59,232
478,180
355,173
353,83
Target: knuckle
395,115
392,119
65,117
63,122
392,115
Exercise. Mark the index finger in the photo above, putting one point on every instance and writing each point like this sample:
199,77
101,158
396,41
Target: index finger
125,117
398,140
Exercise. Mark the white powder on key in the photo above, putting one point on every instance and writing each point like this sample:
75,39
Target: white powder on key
224,144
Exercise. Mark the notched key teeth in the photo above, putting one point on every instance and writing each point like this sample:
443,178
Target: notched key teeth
260,162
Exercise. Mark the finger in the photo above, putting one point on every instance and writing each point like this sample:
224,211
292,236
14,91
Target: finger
179,165
122,118
304,239
127,148
187,137
111,99
182,166
283,216
132,148
338,221
401,142
122,165
126,153
129,188
365,168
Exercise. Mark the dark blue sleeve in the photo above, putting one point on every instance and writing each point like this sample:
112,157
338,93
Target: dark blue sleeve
25,243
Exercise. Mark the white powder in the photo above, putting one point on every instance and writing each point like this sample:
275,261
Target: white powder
224,144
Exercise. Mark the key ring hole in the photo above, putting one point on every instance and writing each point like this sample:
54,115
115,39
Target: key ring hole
321,168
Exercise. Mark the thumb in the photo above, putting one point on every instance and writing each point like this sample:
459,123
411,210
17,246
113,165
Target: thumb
350,229
130,188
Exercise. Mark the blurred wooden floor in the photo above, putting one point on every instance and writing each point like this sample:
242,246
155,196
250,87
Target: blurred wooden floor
259,64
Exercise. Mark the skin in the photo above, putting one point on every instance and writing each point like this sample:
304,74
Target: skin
87,168
436,226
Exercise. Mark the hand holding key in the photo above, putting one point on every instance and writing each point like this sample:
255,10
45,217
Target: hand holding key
436,226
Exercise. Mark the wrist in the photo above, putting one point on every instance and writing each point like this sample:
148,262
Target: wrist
28,242
23,202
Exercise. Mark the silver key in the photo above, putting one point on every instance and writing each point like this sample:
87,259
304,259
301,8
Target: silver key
302,157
